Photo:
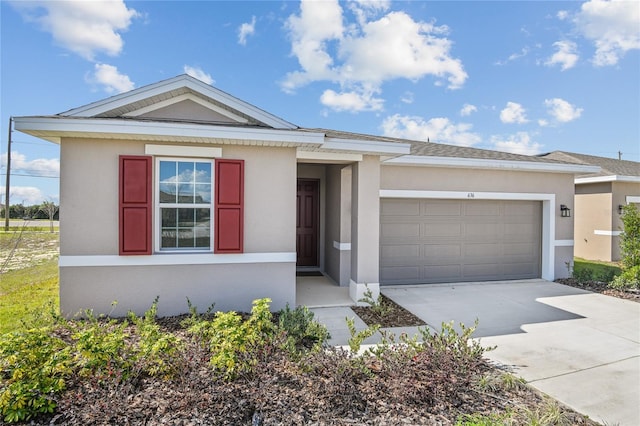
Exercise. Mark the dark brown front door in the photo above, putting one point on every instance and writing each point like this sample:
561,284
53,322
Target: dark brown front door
307,223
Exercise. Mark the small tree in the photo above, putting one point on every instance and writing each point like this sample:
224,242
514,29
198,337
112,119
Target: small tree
630,236
50,209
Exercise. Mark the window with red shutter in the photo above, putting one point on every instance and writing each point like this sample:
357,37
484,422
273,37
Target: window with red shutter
135,205
229,206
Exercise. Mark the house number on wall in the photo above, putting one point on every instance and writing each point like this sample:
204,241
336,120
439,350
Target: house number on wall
471,195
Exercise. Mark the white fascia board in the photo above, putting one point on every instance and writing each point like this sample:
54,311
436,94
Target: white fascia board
478,163
48,127
187,97
338,157
611,178
378,147
178,82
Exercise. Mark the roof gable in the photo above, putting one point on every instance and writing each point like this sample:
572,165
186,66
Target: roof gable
609,166
154,97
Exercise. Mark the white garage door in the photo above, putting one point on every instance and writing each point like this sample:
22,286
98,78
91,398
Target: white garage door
438,241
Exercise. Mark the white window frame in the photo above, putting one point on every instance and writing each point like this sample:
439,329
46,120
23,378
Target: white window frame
157,232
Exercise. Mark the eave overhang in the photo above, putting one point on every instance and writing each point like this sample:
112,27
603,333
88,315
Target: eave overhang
477,163
611,178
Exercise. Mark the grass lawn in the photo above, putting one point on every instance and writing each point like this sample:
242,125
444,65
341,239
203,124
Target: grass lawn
29,278
595,269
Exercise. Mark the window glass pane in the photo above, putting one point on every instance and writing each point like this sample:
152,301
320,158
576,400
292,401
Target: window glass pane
185,238
169,219
203,172
185,218
185,172
202,229
168,171
185,193
203,193
168,192
168,238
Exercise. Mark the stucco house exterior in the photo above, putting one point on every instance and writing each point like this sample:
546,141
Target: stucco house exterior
598,203
180,190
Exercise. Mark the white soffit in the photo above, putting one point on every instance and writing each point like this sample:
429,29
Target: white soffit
479,163
54,128
329,157
181,81
611,178
187,97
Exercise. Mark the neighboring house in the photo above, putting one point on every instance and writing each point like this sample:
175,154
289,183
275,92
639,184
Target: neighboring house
179,190
599,201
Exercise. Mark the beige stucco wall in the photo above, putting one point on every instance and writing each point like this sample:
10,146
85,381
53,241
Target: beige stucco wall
338,223
596,214
89,226
559,185
89,195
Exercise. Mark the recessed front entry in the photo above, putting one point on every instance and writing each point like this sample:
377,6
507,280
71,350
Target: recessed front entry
307,226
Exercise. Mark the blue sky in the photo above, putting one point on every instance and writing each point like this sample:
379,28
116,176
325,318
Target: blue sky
526,77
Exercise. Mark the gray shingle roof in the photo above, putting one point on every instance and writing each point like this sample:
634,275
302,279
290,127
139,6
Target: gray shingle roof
609,166
432,149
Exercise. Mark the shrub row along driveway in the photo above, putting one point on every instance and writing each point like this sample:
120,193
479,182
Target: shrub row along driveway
579,347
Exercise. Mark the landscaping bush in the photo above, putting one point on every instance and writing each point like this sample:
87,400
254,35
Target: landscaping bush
629,279
303,333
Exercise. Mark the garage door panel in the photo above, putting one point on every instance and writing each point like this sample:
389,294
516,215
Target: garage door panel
460,240
447,209
400,230
400,207
435,230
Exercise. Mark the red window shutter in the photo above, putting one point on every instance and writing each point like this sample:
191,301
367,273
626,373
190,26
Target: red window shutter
229,218
135,205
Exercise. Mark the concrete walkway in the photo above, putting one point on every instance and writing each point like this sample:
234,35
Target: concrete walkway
581,348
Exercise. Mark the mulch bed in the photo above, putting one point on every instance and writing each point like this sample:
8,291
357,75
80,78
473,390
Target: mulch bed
602,288
397,316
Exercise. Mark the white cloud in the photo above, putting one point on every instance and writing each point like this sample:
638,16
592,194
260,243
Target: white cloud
565,55
514,56
351,101
362,55
562,15
561,110
245,30
83,27
197,72
25,195
49,167
468,109
518,143
407,97
513,113
612,26
110,78
435,130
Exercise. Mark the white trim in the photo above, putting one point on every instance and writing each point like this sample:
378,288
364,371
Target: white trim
632,199
607,233
465,195
341,246
187,97
480,163
175,83
564,243
334,157
182,151
52,129
378,147
175,259
611,178
548,215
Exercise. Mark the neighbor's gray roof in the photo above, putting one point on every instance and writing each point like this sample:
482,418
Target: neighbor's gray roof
433,149
609,166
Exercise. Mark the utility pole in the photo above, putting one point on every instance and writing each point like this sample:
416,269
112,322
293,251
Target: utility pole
6,191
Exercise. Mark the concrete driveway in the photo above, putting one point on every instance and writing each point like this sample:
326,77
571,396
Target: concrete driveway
581,348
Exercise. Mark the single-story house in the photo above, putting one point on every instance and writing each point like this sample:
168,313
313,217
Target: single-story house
598,203
180,190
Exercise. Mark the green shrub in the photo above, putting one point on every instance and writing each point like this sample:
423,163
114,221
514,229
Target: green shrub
582,275
483,420
459,344
630,237
377,305
235,344
33,368
156,352
303,333
629,279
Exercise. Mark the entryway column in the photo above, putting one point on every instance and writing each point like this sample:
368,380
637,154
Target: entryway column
365,227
